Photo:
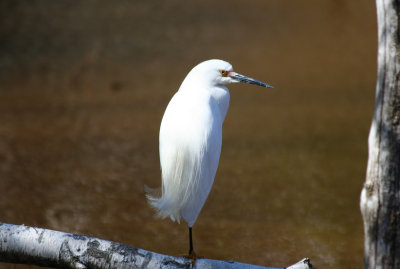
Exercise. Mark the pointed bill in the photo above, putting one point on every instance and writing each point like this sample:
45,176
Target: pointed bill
244,79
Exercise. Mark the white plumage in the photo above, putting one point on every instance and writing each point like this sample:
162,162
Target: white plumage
191,139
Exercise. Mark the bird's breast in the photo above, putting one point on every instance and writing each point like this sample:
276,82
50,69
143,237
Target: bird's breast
190,118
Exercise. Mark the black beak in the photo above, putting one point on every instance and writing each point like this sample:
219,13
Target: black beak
241,78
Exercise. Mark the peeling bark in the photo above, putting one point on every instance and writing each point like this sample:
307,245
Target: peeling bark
380,197
37,246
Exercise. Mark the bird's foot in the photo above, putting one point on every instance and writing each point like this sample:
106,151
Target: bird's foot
192,255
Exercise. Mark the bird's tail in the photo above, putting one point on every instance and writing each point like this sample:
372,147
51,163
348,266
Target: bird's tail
162,205
152,192
181,176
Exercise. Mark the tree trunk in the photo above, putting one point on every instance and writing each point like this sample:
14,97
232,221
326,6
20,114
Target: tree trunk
380,197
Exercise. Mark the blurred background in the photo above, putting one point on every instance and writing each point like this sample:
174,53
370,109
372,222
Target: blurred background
83,88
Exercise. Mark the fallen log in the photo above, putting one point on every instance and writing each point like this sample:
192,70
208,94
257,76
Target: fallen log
36,246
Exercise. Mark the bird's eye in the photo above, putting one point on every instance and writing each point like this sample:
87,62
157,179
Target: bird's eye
224,73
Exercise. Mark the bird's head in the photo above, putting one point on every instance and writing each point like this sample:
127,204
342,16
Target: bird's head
218,72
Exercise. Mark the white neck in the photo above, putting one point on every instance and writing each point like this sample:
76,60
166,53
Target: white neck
221,95
219,92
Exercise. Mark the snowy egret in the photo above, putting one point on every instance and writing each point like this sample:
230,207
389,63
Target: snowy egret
191,139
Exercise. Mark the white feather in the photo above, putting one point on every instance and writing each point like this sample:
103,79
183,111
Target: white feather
190,142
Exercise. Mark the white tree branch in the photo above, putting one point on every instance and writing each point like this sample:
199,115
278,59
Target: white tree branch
37,246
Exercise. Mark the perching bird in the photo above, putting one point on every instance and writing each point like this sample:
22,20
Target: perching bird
191,139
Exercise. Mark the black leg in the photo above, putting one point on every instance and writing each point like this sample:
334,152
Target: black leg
190,242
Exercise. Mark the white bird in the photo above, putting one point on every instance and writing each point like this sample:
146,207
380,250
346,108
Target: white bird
191,140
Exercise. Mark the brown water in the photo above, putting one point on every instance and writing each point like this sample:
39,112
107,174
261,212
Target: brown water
83,87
